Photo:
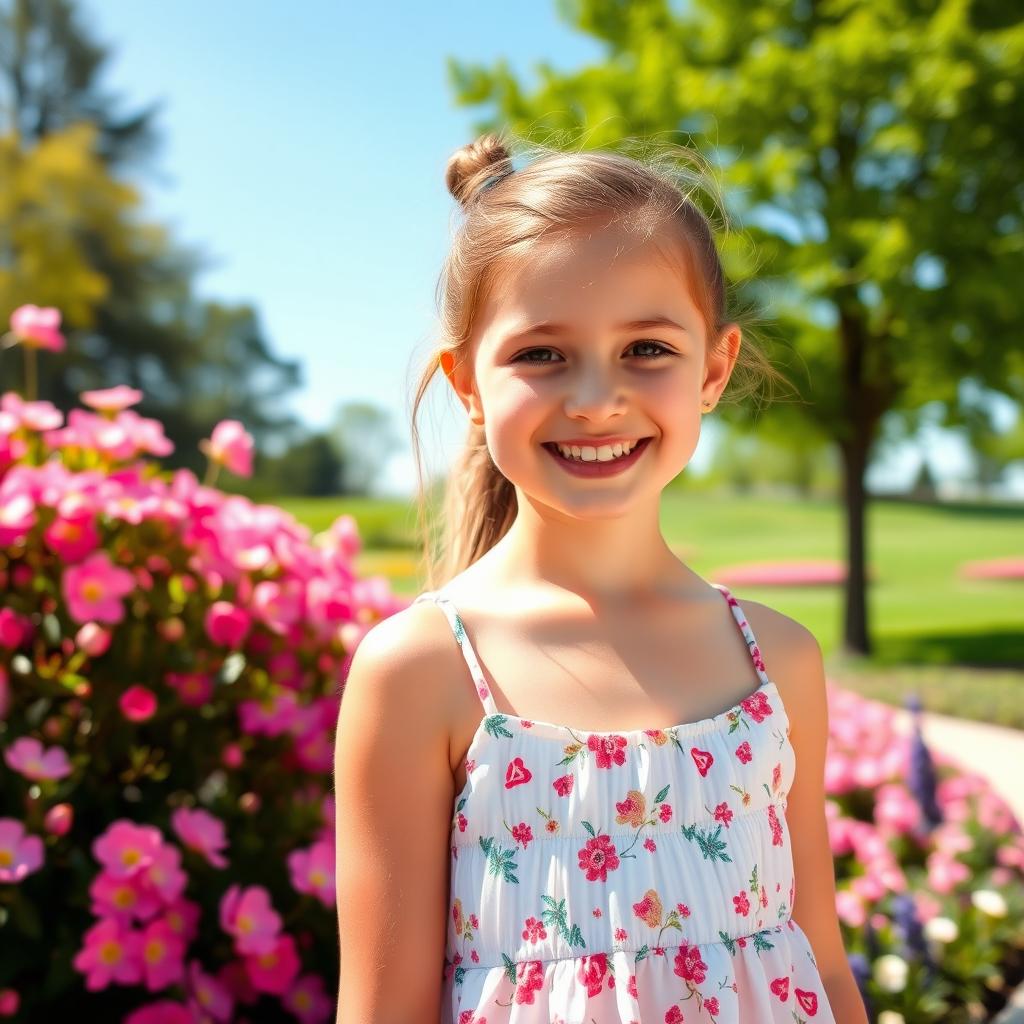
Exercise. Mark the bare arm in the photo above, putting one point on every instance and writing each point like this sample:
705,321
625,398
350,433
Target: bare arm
394,793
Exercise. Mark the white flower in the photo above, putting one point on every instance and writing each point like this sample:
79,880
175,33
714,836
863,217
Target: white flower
890,972
990,902
890,1017
941,929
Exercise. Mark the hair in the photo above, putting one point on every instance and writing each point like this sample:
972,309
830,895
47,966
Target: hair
506,213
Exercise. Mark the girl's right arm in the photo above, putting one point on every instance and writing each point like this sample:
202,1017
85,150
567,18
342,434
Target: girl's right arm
393,795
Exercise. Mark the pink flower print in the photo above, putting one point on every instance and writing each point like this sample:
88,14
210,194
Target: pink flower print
470,765
665,813
741,903
126,848
457,917
27,756
688,964
529,979
703,759
202,832
248,916
93,589
474,956
743,752
474,921
20,854
776,827
462,821
620,934
711,1005
673,1015
517,773
162,956
110,951
756,705
649,909
551,825
598,857
658,735
632,810
607,749
534,930
631,986
780,988
592,971
684,910
808,1001
275,970
523,834
563,784
776,777
723,814
596,911
526,723
764,896
649,844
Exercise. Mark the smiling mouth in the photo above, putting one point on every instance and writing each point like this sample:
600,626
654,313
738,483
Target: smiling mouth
613,452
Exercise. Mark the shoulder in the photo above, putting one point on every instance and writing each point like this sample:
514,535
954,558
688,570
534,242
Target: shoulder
402,669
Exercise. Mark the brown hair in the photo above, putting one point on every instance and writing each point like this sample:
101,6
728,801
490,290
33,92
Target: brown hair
507,211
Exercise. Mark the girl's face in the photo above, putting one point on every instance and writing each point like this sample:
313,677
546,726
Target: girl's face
600,373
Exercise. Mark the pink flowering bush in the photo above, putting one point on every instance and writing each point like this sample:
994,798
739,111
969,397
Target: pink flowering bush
929,869
804,572
171,661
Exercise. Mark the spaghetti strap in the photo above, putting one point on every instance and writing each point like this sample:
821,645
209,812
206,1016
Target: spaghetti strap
748,633
458,628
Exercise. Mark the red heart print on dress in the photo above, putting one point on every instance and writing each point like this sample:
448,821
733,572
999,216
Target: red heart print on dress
807,1000
703,759
517,773
780,986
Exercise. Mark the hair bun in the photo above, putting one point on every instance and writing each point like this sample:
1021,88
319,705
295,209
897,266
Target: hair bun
471,165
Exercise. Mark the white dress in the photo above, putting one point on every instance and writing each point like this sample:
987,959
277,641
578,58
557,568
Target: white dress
643,875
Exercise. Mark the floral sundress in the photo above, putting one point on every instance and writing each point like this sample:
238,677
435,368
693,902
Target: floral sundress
636,876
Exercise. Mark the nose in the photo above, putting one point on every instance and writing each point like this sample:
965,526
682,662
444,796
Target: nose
595,396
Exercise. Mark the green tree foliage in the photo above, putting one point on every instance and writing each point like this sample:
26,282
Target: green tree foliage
71,237
872,153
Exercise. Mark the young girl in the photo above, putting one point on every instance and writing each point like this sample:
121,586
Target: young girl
524,833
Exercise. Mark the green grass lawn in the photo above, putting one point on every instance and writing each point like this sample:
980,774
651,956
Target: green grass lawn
959,643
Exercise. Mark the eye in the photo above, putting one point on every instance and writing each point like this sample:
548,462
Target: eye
661,351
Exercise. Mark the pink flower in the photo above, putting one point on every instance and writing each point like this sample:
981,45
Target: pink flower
111,399
17,517
248,915
275,970
36,327
523,834
126,848
26,755
194,688
14,628
20,854
93,638
563,784
110,952
208,994
93,589
598,857
607,750
308,1000
59,819
9,1002
270,716
165,875
226,624
312,871
230,446
201,831
72,537
137,703
123,898
534,930
164,1011
162,953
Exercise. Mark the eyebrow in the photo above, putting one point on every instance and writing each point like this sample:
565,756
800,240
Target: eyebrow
647,323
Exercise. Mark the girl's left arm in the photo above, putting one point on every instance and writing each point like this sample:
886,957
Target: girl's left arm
801,666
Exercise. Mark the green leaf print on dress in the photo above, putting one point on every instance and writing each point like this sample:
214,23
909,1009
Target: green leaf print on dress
555,915
499,860
710,845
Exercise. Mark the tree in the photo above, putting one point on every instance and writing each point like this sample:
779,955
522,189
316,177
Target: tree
871,151
364,437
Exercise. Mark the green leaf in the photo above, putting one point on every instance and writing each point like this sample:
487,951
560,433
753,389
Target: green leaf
590,828
662,794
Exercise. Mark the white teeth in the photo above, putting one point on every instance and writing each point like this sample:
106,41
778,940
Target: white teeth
588,453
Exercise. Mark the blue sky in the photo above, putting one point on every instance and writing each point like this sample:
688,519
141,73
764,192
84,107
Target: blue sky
304,152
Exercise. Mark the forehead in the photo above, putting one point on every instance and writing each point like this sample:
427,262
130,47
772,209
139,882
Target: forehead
589,277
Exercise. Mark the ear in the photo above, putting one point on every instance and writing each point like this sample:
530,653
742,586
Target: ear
460,376
719,362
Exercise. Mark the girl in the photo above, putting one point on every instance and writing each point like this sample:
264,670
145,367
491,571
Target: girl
523,832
